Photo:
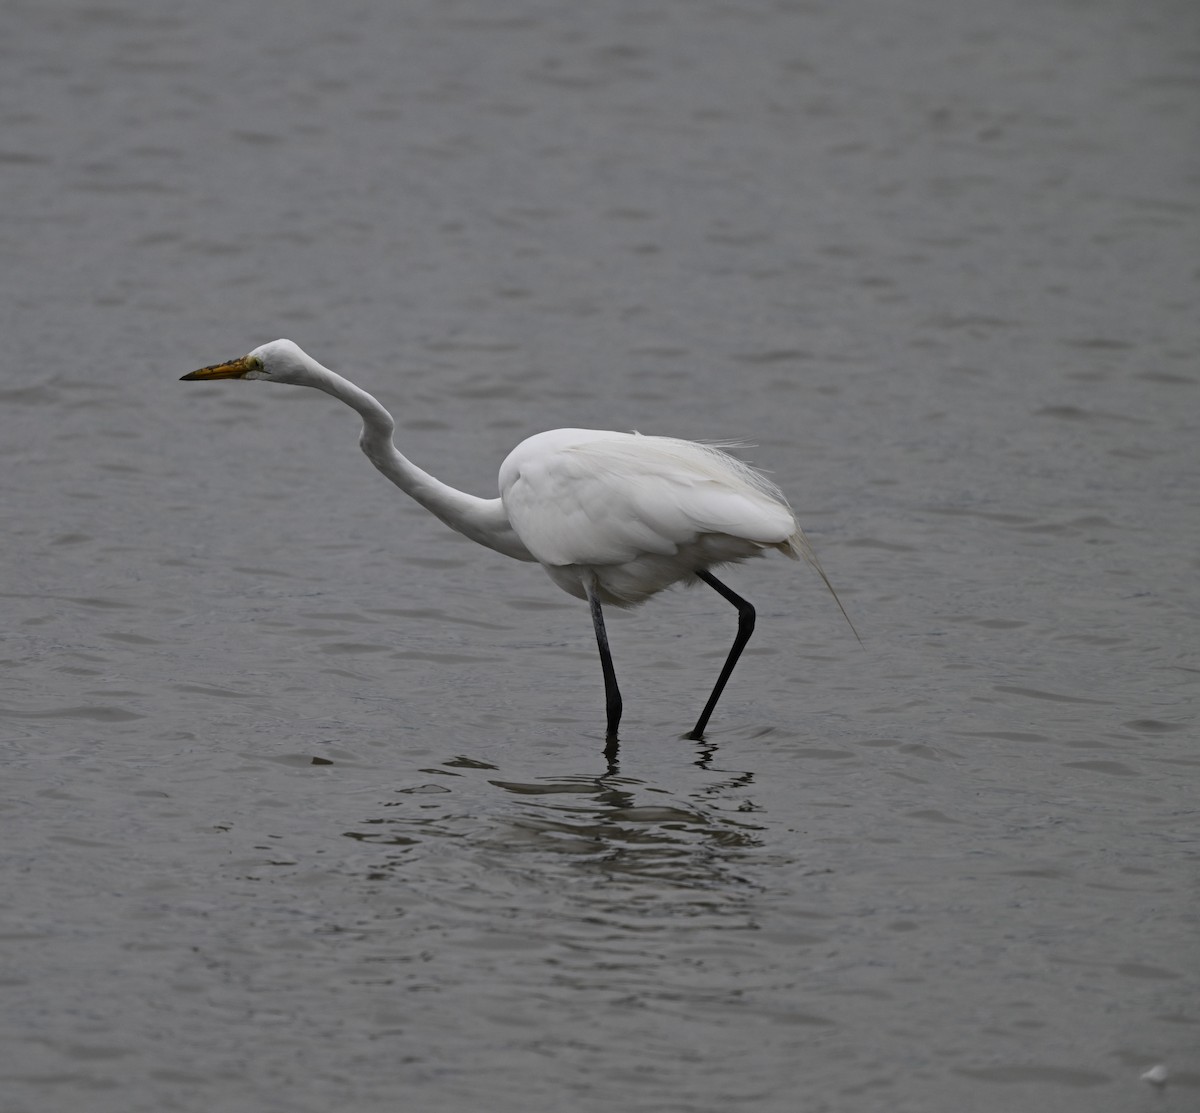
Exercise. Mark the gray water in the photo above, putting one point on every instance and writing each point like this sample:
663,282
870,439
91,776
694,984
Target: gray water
304,805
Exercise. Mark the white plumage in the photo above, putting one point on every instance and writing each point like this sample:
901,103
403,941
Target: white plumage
612,517
638,513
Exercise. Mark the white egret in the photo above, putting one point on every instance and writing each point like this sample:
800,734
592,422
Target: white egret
613,518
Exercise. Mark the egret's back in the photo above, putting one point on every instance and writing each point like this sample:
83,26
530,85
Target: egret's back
637,512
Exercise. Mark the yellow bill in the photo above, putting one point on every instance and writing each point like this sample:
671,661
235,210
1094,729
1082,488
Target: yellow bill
234,369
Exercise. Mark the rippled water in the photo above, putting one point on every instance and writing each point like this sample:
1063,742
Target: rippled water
304,800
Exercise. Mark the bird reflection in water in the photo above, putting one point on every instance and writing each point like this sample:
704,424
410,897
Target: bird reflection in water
621,824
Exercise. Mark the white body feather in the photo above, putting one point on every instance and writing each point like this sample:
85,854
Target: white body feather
634,514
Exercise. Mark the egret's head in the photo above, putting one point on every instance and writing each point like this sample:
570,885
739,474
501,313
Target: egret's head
280,361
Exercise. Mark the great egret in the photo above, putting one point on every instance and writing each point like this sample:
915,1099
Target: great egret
612,517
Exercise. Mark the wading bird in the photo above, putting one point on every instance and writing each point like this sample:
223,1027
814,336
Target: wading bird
613,518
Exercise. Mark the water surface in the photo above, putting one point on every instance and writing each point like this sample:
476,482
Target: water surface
304,799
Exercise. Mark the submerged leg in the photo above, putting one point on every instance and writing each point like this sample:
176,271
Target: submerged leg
612,694
745,629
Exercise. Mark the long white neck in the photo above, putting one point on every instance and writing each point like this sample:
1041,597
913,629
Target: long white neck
482,520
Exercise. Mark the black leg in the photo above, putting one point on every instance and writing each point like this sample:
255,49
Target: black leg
745,629
612,694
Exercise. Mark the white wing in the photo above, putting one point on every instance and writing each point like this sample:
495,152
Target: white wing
581,496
